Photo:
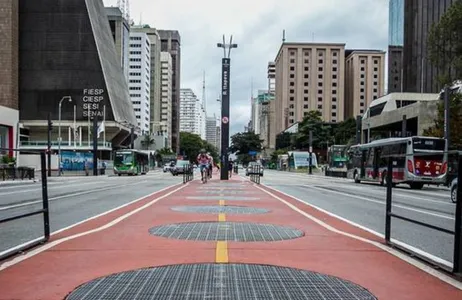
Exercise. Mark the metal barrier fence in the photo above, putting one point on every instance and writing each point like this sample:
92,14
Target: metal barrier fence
188,173
456,233
44,211
255,173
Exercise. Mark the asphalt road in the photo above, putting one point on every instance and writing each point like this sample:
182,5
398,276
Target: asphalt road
71,200
364,204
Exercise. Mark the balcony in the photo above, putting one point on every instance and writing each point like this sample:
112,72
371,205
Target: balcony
85,145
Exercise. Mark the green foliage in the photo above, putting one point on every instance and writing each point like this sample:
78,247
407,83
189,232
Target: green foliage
321,132
191,145
242,143
445,44
8,160
345,133
284,140
147,141
275,154
455,118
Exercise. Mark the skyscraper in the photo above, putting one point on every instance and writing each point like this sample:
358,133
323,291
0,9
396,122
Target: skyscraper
166,97
192,114
395,45
171,42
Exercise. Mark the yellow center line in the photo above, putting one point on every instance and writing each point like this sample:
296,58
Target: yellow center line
221,252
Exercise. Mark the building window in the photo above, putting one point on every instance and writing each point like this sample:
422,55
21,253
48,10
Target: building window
334,114
320,84
319,91
375,90
375,75
319,106
292,68
319,99
306,83
334,106
361,111
376,69
307,61
375,83
334,83
292,53
334,99
362,82
306,75
362,75
363,61
291,98
306,69
361,97
320,61
305,106
292,83
292,75
306,53
376,61
320,76
361,90
334,61
362,69
291,113
305,91
291,106
334,92
305,98
334,69
292,61
292,91
291,121
320,69
334,76
361,104
375,97
334,54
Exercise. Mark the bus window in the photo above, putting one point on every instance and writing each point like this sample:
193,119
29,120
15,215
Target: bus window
123,158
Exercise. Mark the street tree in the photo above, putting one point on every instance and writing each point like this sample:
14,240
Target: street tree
345,132
190,145
243,143
321,132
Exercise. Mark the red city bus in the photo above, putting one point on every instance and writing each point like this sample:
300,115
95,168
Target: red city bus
416,161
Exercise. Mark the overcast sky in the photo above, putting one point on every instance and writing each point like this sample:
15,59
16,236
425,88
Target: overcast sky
256,25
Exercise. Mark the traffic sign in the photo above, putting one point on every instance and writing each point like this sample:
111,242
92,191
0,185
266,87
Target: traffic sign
311,149
225,120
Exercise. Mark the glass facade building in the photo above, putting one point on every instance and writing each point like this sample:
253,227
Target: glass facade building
396,23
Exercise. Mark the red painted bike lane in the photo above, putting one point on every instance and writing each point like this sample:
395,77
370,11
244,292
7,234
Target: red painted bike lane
121,241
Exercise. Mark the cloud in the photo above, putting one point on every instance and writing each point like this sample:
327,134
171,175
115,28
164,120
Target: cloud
257,27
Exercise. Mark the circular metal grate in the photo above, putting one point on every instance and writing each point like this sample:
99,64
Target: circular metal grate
225,209
217,197
220,281
226,231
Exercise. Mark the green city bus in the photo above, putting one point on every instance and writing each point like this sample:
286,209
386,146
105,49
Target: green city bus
337,157
131,162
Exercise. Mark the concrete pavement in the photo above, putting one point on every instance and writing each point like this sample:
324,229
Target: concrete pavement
177,245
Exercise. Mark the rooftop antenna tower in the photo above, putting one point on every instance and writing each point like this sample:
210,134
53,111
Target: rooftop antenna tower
283,35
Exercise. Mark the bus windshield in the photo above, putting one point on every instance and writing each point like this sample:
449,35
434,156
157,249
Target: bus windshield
123,158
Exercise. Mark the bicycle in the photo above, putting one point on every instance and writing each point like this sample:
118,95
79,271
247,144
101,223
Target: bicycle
204,174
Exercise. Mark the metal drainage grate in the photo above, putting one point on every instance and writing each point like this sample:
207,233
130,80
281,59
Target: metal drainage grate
225,209
217,197
220,281
226,231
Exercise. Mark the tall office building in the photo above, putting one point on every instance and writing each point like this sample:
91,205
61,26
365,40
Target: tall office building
395,45
267,124
309,76
364,79
139,82
155,100
120,30
211,130
166,97
171,42
192,114
419,16
218,145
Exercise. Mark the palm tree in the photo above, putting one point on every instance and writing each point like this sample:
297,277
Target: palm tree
148,141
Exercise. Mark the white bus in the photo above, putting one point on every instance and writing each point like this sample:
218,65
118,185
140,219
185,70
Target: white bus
416,161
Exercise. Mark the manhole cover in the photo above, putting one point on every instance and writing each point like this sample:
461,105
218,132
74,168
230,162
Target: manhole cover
226,231
217,197
220,281
226,209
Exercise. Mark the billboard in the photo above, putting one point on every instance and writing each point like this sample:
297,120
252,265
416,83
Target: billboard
75,161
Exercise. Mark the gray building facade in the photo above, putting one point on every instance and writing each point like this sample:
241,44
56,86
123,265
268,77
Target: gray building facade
171,42
53,63
120,30
395,45
419,16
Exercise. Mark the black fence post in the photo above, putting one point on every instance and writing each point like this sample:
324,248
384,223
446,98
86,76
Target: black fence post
50,128
404,126
389,199
457,266
46,212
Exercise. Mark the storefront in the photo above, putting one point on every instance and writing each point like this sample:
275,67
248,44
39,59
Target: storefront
9,119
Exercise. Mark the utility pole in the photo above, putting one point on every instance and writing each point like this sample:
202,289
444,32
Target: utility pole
404,127
225,91
50,128
310,159
95,145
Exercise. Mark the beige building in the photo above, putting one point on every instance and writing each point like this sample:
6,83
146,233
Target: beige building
364,80
166,97
309,76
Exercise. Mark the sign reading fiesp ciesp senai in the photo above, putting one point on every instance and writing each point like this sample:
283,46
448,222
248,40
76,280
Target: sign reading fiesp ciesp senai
92,102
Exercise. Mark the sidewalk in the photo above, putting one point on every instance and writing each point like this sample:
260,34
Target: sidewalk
208,241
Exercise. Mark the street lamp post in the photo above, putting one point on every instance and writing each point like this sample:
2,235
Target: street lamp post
225,91
59,131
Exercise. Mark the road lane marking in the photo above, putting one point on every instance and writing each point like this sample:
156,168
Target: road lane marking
221,217
383,203
49,188
221,253
69,195
52,244
411,261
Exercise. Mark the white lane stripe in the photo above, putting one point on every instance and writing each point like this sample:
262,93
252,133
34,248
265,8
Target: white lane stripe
383,203
413,262
50,245
69,195
50,188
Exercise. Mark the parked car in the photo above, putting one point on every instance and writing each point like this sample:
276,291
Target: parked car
454,190
179,167
168,166
251,165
